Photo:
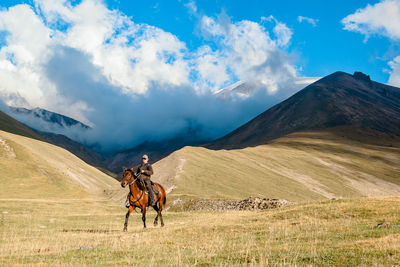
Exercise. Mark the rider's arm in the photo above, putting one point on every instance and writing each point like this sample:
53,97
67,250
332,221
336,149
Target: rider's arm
149,170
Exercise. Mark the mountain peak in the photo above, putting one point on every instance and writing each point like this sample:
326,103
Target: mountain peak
339,99
357,75
361,76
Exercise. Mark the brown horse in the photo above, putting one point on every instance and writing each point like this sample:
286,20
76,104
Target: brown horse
139,199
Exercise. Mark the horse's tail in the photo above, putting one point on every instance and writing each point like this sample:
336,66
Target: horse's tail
165,193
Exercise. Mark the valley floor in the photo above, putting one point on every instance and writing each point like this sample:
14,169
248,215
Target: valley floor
76,232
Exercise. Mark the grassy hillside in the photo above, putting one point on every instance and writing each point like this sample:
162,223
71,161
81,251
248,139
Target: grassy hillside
11,125
335,163
32,169
89,156
77,233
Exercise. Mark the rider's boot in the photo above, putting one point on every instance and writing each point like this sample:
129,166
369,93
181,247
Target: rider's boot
152,197
127,203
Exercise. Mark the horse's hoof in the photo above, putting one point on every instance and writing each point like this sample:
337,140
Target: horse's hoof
125,230
162,225
155,224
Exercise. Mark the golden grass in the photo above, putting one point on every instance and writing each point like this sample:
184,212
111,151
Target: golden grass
76,233
34,169
54,212
302,166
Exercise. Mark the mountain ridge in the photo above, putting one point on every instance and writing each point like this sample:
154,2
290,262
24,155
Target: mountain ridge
337,99
48,116
11,125
302,111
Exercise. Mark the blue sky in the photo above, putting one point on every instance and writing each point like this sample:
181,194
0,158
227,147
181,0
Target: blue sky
318,50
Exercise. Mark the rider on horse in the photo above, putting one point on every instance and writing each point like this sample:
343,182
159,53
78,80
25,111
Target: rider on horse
137,197
144,172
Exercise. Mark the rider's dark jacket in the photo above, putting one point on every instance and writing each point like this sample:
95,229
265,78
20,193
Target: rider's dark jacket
147,168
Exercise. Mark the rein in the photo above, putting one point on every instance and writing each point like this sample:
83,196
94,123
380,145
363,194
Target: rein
141,195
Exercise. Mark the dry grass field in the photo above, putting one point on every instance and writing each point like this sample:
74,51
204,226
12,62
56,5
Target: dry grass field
89,233
55,210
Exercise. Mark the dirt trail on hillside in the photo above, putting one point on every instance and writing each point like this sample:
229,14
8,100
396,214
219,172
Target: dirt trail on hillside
166,170
367,184
307,181
7,151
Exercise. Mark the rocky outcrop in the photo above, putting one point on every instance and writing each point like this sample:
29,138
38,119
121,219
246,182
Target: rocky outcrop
361,76
251,203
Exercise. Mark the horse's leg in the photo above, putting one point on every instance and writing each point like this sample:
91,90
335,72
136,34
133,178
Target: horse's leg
160,209
144,216
127,217
155,207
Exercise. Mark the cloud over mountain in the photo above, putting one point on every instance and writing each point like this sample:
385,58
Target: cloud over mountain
133,81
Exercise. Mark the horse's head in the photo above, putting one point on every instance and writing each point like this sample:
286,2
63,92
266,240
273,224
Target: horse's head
127,177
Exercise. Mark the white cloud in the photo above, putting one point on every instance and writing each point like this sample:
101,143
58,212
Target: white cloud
283,33
312,21
394,78
247,52
98,66
191,6
20,60
383,19
131,56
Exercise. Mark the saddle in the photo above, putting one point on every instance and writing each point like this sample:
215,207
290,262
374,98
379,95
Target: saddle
153,186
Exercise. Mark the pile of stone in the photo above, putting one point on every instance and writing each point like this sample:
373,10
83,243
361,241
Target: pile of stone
256,203
251,203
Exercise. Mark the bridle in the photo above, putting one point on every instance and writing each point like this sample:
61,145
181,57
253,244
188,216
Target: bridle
134,180
131,183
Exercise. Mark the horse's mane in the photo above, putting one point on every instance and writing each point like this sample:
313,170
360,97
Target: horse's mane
137,181
130,171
